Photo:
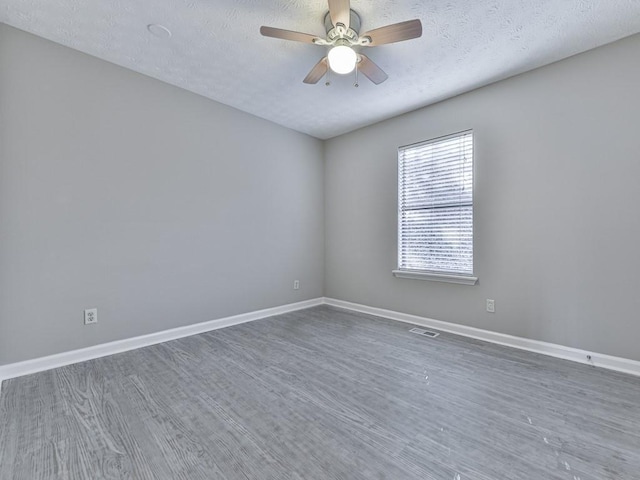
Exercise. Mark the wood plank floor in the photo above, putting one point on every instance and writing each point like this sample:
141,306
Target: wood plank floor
322,394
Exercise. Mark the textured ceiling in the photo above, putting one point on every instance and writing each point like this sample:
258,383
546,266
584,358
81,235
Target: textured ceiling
216,49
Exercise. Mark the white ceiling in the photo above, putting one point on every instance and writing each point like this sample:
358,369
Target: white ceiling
216,49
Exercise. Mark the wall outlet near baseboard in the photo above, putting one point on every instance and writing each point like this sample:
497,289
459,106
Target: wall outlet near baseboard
296,284
90,316
491,305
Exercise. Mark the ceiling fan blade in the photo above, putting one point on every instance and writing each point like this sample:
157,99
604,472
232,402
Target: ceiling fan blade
370,70
287,35
317,72
394,33
340,12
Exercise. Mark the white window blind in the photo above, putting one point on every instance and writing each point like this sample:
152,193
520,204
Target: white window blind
435,218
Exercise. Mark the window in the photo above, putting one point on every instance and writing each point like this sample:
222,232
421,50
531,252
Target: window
435,209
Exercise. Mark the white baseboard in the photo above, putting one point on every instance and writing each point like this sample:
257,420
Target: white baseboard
559,351
66,358
568,353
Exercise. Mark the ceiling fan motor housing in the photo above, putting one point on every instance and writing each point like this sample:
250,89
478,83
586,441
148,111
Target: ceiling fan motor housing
336,32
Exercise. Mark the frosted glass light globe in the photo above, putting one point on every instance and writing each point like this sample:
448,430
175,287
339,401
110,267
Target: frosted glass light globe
342,59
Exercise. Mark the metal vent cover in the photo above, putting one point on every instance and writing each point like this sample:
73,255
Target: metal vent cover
426,333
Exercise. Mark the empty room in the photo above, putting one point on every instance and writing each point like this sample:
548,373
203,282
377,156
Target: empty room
320,240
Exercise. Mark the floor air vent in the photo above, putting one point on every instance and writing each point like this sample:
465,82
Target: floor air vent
426,333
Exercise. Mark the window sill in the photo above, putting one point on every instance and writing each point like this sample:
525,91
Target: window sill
436,277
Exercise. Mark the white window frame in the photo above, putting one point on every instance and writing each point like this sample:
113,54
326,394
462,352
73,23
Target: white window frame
434,275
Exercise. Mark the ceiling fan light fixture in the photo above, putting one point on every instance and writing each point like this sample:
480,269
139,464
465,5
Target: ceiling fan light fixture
343,38
342,59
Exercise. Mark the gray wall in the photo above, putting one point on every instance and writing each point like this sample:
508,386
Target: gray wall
165,209
557,226
155,205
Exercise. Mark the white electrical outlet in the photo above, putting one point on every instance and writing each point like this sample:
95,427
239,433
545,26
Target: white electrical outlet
491,305
296,284
90,316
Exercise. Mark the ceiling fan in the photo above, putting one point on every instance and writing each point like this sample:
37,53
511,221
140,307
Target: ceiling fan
343,26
